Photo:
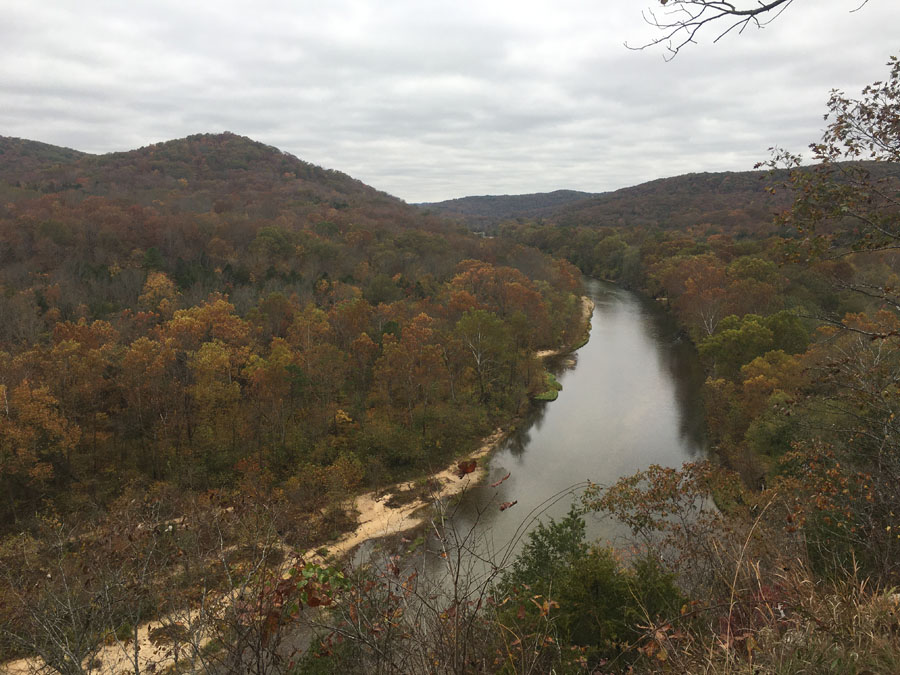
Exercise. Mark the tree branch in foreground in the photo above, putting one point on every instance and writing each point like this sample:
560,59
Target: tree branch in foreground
681,20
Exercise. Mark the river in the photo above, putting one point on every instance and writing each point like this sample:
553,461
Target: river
630,398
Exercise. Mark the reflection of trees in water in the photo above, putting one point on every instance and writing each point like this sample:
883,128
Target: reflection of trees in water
520,439
676,354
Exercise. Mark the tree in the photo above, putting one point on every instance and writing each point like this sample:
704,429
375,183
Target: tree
35,439
844,209
682,20
159,293
598,604
849,212
487,341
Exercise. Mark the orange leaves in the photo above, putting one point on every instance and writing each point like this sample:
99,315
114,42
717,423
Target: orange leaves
508,505
410,367
349,320
363,350
214,319
501,290
92,335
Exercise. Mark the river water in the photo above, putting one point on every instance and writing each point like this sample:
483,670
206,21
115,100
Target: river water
630,398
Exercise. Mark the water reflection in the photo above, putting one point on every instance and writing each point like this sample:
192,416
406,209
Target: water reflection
630,398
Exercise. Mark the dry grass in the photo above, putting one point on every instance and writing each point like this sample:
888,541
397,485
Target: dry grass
787,625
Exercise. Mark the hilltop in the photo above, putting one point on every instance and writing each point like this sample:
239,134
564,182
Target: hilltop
220,172
490,210
739,200
725,198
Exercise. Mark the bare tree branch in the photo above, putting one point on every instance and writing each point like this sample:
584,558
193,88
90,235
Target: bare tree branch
680,21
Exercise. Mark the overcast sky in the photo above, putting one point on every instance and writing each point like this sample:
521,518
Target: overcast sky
435,99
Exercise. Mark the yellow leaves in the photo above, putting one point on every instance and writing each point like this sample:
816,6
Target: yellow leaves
145,358
309,328
213,320
31,430
214,367
780,370
159,293
545,605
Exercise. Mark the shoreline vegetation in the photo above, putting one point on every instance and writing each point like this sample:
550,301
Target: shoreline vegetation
379,516
377,519
213,336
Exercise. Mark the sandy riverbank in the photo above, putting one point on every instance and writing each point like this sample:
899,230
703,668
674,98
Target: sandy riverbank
376,519
587,310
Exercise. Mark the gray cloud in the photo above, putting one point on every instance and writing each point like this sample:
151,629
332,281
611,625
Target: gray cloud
434,99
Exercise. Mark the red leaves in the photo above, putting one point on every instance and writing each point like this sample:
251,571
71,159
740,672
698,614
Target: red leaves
508,505
465,467
497,483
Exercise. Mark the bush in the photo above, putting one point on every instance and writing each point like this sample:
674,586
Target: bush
584,596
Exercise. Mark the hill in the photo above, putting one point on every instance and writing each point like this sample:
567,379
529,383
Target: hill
730,199
726,198
737,200
241,266
217,213
489,210
203,172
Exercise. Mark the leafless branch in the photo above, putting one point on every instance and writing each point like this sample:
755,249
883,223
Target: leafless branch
681,20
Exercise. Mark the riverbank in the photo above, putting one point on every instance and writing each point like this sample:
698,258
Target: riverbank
587,310
379,515
378,518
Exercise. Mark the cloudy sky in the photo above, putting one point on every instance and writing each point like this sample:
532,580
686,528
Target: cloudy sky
434,99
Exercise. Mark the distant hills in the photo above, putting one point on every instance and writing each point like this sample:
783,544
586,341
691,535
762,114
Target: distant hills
729,199
725,198
226,173
490,210
19,156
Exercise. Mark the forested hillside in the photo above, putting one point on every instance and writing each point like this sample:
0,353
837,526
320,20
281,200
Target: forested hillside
489,211
742,202
731,199
207,345
169,309
210,318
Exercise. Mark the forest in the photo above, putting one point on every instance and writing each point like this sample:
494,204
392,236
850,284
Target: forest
207,346
206,316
